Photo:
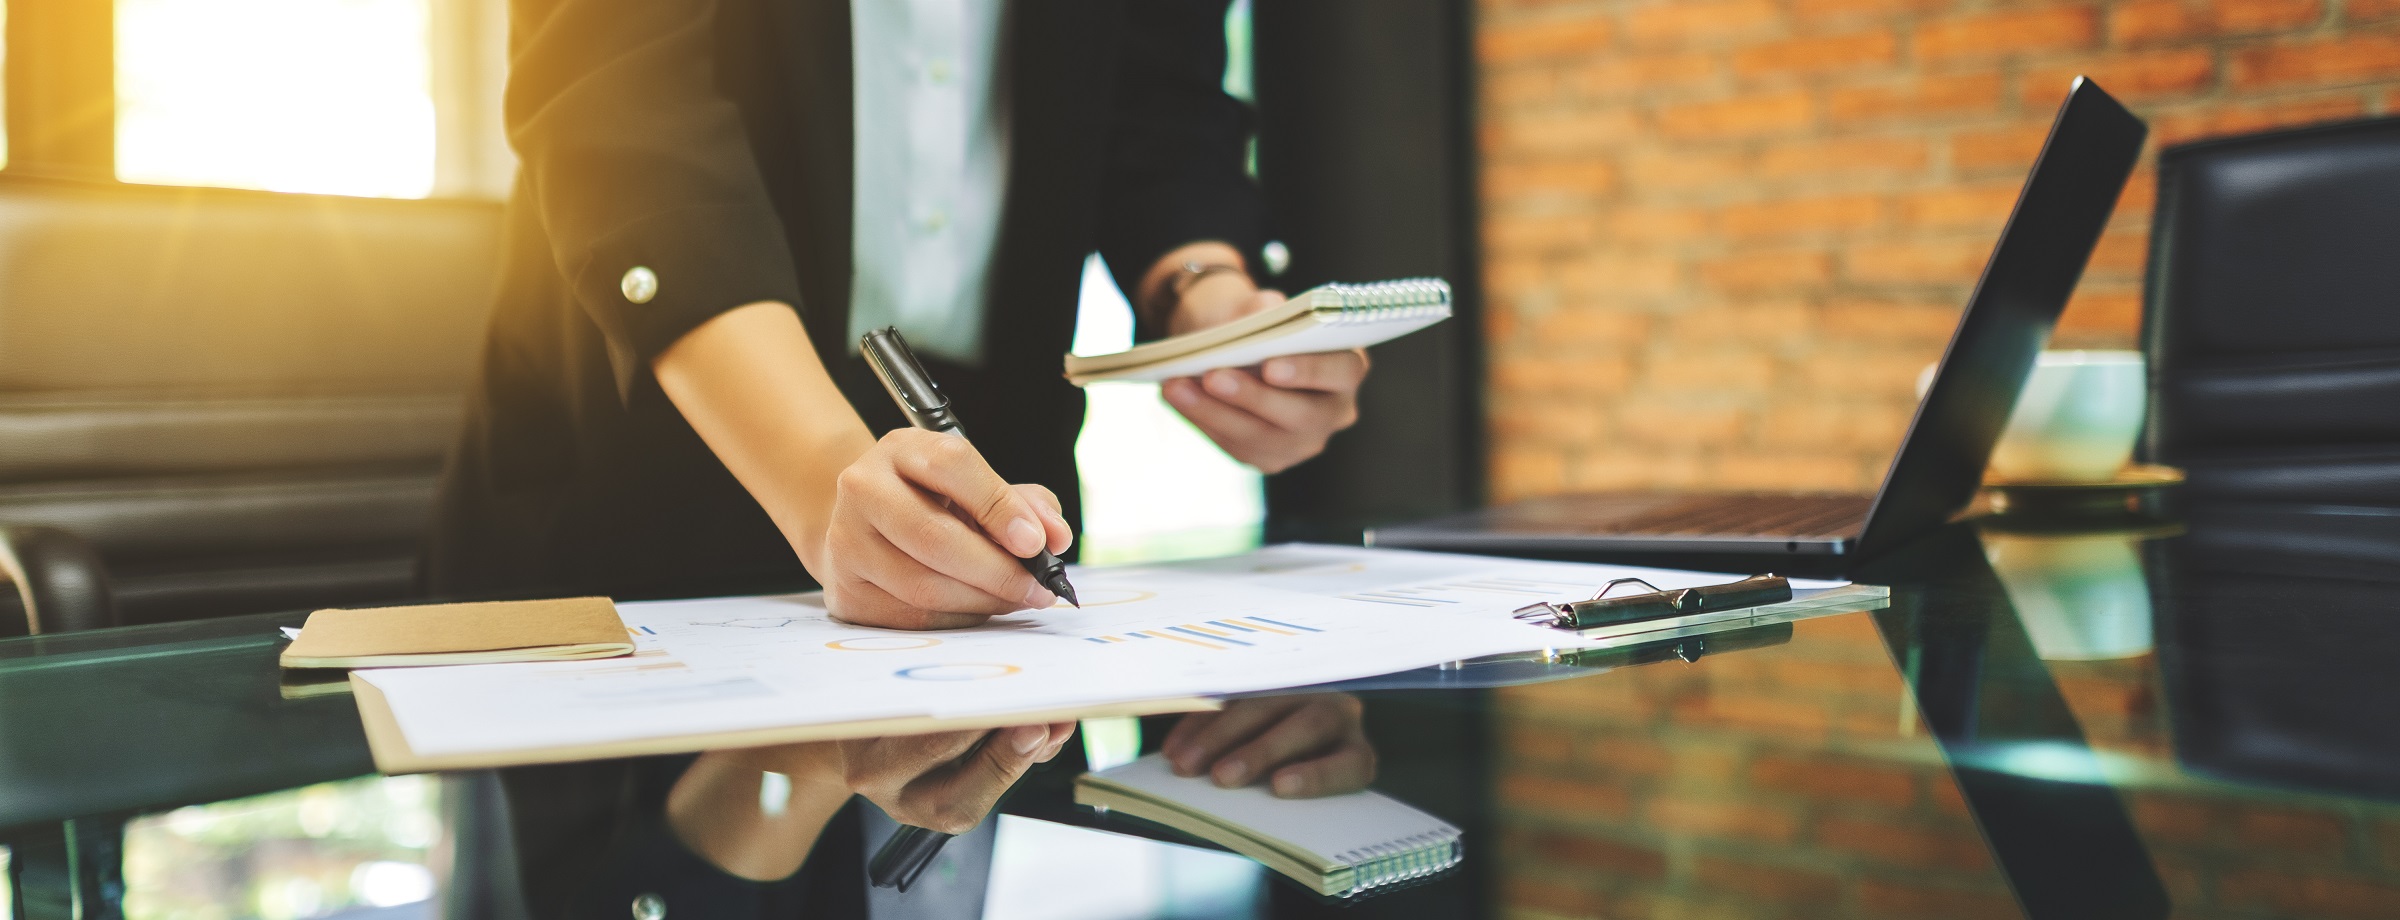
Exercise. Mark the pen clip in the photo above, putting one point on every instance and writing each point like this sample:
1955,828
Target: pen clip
904,377
1603,610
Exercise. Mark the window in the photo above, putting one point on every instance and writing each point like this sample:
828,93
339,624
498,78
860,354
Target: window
3,165
330,96
1154,487
382,98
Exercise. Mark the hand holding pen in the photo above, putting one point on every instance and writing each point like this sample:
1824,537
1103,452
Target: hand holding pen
721,809
945,459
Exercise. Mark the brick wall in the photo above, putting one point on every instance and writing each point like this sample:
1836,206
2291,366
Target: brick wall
1796,781
1723,235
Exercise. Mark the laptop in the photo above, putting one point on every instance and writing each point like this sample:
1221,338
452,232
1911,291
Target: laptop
2049,237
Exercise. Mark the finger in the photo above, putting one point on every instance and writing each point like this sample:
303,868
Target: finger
882,586
1230,426
1304,732
1233,726
1054,517
1348,768
955,797
890,764
948,466
1186,728
1288,410
1330,372
932,538
1060,732
865,604
1247,437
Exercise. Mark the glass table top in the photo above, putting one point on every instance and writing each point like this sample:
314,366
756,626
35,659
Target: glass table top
2196,719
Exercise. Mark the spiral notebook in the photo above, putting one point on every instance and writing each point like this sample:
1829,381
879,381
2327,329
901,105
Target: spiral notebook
1339,845
1328,318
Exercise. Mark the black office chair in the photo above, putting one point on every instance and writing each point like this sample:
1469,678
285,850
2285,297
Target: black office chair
238,400
60,580
217,402
2272,316
2274,627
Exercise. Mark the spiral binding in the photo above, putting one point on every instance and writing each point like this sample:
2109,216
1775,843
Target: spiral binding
1401,860
1406,298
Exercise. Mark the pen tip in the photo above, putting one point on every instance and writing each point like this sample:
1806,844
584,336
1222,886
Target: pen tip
1067,591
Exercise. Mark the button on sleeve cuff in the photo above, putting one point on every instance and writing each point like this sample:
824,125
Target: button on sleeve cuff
648,284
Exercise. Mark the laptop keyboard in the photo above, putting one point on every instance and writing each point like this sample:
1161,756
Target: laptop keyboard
1761,515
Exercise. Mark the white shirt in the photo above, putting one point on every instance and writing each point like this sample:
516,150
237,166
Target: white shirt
930,155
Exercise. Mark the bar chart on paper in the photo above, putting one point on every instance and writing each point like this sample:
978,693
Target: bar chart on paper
1218,635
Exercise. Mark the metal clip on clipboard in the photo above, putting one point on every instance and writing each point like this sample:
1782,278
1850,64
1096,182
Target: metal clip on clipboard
1603,610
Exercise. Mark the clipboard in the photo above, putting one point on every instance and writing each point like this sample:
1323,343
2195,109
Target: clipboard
394,757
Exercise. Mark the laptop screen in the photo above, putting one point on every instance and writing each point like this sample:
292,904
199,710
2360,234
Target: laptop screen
2042,251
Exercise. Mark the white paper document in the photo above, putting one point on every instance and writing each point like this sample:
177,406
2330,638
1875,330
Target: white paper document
1280,617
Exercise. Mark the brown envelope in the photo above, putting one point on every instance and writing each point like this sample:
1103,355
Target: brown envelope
566,629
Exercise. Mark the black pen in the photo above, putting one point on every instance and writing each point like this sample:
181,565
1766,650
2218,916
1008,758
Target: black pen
910,849
927,408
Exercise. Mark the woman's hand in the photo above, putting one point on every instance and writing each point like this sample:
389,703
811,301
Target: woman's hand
1308,745
1276,414
913,531
1271,416
964,780
925,536
946,782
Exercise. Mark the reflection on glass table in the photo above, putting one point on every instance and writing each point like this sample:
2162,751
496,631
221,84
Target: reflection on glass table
1046,871
330,850
1948,756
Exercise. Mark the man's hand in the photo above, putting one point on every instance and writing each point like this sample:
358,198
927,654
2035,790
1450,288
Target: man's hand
1276,414
1308,745
925,536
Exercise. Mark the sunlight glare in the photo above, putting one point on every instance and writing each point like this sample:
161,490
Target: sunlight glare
326,96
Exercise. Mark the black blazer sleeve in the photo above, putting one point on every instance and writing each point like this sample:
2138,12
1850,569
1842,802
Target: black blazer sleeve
633,156
1177,144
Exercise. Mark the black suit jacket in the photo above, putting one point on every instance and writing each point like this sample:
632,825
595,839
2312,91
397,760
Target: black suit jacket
710,141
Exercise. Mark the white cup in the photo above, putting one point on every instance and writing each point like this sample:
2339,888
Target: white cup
2081,597
2076,420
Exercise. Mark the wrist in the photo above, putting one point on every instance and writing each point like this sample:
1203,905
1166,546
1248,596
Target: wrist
805,516
1188,280
717,809
1207,302
1172,279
